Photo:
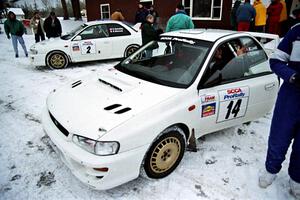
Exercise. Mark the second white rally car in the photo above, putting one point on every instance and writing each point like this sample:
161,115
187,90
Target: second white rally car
96,40
142,113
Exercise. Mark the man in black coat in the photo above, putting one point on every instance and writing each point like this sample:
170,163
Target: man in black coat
52,26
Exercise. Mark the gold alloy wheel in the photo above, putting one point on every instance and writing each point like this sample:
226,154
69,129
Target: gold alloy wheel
57,61
131,50
165,154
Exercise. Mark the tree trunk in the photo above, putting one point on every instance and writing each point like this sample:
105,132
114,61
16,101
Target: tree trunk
65,9
76,9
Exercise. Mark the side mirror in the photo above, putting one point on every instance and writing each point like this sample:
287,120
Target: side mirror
77,38
213,80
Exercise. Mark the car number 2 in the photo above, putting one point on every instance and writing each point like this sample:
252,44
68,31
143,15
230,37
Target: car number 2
233,103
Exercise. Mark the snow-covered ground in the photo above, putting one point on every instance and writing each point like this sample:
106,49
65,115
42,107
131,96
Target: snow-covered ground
226,165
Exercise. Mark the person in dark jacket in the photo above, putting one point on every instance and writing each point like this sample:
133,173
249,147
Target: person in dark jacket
285,127
52,26
273,12
14,29
149,34
154,13
245,14
141,14
233,21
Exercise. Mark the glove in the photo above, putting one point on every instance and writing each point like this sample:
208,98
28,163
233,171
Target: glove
295,79
8,37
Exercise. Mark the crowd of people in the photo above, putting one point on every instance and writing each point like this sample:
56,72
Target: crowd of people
259,18
15,29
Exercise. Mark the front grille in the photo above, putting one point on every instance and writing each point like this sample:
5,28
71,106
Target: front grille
59,126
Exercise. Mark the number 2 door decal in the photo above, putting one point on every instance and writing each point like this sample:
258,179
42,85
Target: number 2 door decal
88,47
233,103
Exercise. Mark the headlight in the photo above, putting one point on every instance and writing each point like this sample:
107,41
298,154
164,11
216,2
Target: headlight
96,147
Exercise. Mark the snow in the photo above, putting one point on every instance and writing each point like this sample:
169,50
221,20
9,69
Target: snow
226,165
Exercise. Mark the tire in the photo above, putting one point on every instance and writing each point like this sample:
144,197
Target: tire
130,50
57,60
165,154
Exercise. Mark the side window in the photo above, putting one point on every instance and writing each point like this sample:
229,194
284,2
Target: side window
94,32
117,30
235,60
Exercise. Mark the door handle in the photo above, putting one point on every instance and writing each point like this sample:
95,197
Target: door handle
270,86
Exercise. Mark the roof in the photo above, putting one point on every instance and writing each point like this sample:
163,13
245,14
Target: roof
201,34
102,22
17,11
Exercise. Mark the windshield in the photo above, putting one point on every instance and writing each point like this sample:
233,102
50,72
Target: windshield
173,62
73,32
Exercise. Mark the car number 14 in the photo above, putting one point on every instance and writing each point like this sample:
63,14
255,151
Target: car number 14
233,103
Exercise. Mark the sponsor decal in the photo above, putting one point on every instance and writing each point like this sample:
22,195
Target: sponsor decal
88,43
234,93
178,39
76,48
208,110
208,98
116,30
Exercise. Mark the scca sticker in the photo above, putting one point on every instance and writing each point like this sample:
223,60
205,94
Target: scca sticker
208,110
233,103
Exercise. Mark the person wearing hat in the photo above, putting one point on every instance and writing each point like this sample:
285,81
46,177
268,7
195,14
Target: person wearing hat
14,29
37,25
52,26
180,20
285,127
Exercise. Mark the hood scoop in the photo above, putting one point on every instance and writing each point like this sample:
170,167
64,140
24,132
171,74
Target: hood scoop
115,106
75,84
111,85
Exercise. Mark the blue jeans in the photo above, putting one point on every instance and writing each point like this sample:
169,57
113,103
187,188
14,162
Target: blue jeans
15,40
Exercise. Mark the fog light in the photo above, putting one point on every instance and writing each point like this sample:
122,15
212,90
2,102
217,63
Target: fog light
103,169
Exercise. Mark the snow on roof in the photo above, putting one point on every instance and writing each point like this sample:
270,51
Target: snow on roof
17,11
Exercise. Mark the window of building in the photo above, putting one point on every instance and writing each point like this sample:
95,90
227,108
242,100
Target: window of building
105,11
204,9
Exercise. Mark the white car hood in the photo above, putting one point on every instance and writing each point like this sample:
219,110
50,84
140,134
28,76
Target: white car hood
80,107
50,43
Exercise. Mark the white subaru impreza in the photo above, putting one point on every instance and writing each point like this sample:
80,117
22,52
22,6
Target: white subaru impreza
142,113
96,40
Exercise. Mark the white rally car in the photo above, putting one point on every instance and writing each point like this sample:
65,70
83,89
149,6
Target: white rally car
96,40
142,113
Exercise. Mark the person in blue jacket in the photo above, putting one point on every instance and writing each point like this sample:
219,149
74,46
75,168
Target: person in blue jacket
180,20
285,127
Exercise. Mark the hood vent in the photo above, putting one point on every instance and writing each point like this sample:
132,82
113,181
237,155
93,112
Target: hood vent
124,110
111,107
111,85
75,84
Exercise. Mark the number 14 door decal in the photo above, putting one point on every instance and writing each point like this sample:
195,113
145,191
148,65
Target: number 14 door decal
233,103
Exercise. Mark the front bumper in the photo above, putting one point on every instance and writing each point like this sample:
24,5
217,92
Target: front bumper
123,167
38,59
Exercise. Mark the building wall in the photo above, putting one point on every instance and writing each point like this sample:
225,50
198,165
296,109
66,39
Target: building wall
165,8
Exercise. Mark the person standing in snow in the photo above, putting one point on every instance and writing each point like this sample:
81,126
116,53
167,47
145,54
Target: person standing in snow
245,14
141,14
37,25
180,20
117,15
274,11
261,16
14,29
52,26
233,21
283,28
149,34
285,127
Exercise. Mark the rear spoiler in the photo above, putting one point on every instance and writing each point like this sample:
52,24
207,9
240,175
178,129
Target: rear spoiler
268,41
